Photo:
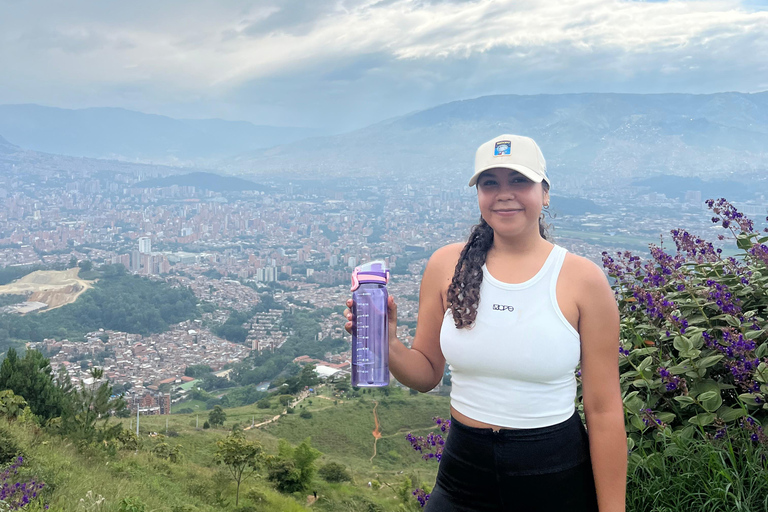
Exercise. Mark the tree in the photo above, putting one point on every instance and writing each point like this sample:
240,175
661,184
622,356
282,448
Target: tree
30,377
285,475
72,262
89,410
217,416
85,265
334,472
11,405
242,457
304,456
293,468
197,370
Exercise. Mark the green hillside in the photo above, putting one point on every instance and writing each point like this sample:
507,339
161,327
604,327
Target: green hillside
340,429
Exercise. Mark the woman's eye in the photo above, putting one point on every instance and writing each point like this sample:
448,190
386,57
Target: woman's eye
488,183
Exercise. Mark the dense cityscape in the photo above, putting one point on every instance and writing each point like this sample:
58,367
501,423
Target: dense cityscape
296,241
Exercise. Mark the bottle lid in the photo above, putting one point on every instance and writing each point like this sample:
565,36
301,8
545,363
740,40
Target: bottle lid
371,272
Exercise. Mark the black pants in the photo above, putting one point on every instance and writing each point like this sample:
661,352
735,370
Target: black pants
529,470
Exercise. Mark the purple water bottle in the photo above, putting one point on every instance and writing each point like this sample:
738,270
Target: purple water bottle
370,337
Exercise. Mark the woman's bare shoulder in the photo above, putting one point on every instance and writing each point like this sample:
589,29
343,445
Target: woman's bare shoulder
583,271
445,258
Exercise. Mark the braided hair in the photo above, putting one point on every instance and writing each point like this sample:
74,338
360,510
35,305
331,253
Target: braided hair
464,290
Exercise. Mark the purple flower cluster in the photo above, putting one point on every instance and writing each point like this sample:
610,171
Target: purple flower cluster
422,496
672,382
723,298
649,418
740,351
431,447
17,494
726,215
695,247
755,430
759,252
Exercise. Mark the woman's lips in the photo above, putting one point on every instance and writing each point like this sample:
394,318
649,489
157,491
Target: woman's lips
507,212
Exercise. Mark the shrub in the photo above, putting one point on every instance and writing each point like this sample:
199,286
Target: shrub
256,496
131,504
206,425
693,330
305,414
183,508
334,472
9,449
263,404
185,410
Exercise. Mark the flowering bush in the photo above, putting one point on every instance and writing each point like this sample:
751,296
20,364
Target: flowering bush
693,330
694,339
15,495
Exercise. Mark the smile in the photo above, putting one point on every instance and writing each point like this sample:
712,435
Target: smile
507,212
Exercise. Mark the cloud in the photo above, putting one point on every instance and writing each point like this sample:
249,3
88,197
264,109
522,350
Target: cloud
313,61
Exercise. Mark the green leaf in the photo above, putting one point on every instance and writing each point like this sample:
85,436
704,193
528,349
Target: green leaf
753,335
732,320
697,340
680,368
690,354
728,414
681,343
710,401
644,351
640,383
629,396
706,362
761,374
684,401
645,363
703,419
666,417
749,399
637,423
762,350
742,242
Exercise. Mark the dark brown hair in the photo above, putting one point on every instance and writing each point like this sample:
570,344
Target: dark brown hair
464,290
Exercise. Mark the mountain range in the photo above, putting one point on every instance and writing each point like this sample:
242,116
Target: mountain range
608,136
118,134
601,137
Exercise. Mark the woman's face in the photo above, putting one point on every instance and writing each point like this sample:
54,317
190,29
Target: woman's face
509,202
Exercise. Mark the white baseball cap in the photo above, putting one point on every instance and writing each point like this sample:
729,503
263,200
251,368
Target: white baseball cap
515,152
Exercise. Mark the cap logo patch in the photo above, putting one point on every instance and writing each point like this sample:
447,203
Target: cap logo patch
503,147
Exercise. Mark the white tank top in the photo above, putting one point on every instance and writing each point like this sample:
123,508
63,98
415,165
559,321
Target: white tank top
515,366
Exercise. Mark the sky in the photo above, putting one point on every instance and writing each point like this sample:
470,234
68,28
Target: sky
343,64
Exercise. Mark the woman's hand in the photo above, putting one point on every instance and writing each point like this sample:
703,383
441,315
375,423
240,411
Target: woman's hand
391,317
349,316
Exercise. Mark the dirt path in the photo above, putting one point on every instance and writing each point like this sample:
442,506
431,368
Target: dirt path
377,430
296,402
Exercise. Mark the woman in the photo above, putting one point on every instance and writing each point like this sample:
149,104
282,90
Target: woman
513,315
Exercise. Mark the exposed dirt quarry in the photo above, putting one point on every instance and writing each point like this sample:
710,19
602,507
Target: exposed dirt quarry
52,287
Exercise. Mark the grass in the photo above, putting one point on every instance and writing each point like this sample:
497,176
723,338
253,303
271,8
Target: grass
199,485
697,475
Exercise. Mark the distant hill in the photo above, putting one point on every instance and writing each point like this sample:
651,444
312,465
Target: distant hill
202,180
598,136
574,206
6,147
675,186
120,134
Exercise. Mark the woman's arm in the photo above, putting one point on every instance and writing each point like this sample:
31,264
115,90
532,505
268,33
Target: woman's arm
603,408
421,366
